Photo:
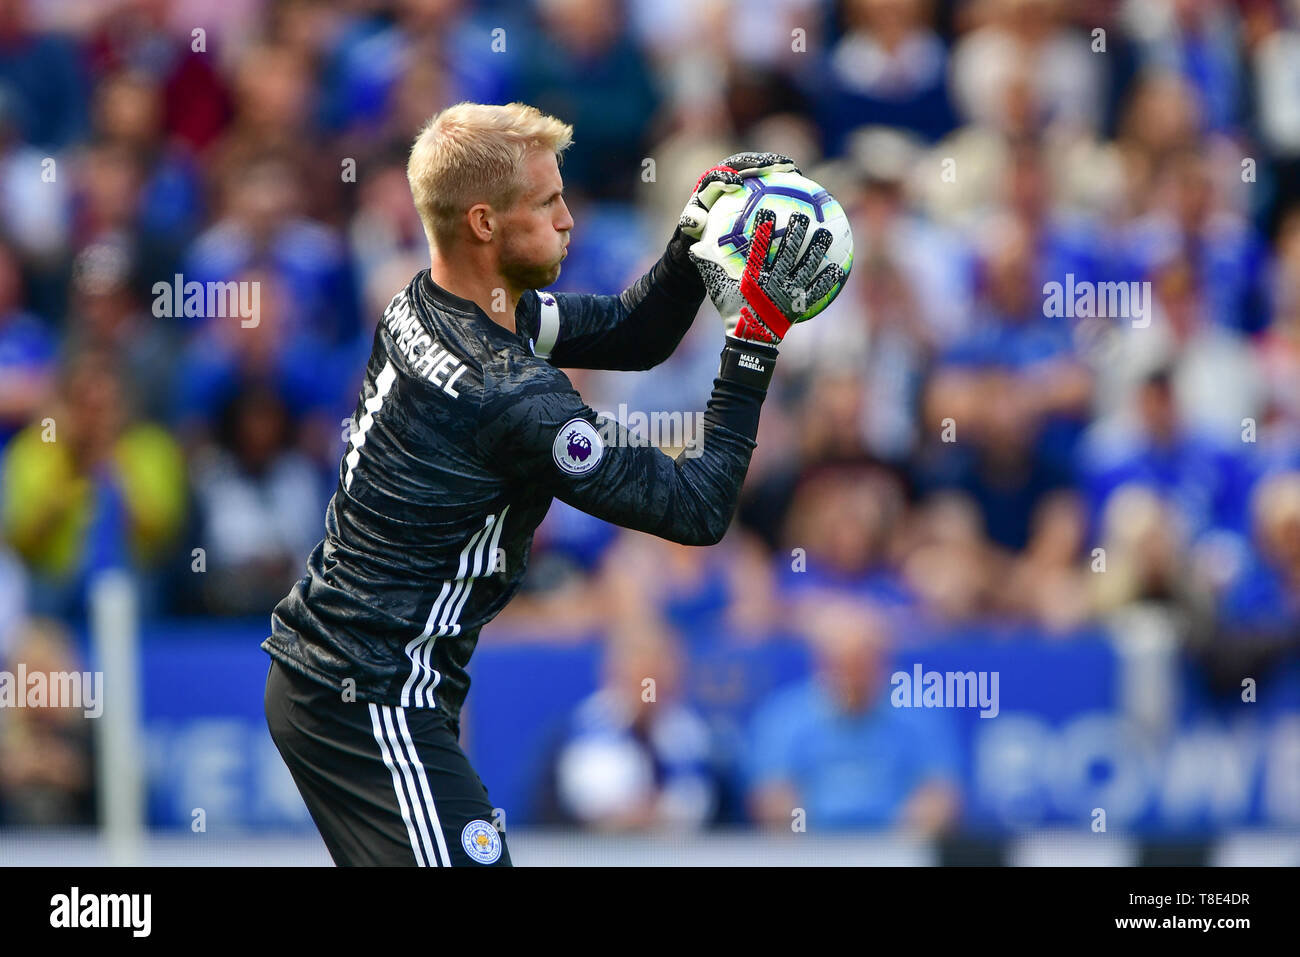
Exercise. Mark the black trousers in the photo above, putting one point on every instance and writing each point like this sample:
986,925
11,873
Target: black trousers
385,785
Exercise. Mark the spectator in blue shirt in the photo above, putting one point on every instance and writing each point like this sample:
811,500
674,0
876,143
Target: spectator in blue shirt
838,535
1258,612
227,358
836,746
580,62
889,69
129,110
1151,446
1198,41
27,351
1015,392
1197,223
47,77
262,228
635,756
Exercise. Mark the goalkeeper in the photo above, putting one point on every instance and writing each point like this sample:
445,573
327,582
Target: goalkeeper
465,430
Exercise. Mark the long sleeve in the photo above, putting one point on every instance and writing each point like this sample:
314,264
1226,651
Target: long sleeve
637,329
539,431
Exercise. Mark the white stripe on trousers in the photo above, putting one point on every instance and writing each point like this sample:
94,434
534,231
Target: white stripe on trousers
447,609
424,787
423,828
416,844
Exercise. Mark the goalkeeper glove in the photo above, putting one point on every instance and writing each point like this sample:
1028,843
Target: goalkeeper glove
724,178
767,299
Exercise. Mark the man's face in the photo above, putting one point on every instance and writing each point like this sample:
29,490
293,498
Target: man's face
535,230
851,670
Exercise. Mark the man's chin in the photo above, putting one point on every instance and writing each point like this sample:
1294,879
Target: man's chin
538,278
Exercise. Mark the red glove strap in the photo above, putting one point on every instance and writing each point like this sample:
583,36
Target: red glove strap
767,310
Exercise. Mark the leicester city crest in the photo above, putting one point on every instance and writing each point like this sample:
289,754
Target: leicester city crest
481,842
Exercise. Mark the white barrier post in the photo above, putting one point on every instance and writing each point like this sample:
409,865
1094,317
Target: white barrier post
119,751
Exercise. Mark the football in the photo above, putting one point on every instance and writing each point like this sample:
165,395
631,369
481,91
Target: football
730,226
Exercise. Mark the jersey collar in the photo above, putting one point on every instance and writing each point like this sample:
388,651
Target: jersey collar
443,299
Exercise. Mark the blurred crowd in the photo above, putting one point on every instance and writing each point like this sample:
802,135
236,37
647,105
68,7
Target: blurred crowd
938,447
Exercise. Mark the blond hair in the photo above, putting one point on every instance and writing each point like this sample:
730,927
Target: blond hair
471,153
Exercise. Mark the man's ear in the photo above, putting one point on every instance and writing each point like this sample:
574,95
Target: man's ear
482,222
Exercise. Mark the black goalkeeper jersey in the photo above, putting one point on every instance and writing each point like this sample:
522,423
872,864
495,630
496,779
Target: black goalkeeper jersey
463,433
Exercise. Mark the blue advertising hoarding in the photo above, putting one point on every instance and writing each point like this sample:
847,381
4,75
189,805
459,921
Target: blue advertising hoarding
1059,747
